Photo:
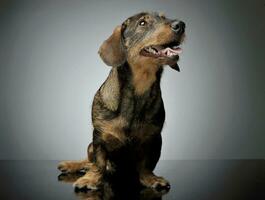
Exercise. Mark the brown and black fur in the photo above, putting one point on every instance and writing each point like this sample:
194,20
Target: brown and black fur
128,112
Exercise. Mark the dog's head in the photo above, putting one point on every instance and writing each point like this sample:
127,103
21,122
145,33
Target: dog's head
148,38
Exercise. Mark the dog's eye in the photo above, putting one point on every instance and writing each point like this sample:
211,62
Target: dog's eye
142,23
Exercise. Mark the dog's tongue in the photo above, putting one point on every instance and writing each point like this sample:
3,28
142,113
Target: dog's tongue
171,51
175,66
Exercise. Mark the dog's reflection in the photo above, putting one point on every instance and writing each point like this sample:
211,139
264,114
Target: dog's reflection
114,188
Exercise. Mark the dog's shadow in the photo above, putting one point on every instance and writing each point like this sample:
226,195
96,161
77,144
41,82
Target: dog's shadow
115,188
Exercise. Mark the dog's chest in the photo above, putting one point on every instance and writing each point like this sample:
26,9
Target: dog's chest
136,116
140,113
139,109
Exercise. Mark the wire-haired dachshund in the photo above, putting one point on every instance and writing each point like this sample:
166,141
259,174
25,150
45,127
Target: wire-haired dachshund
128,112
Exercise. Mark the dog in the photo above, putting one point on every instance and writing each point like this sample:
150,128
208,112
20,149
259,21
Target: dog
128,111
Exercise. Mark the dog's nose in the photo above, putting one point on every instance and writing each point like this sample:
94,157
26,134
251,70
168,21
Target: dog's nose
178,26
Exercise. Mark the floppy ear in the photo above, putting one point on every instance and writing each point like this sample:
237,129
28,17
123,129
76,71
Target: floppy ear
111,51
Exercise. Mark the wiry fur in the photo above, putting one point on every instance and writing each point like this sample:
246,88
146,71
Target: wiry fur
128,112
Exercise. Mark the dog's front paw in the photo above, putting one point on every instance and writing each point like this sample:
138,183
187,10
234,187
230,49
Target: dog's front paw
159,183
155,182
89,181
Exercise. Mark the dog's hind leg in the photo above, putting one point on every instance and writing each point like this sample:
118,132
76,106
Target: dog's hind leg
77,166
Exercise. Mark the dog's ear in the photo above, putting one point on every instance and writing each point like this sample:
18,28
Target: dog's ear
111,51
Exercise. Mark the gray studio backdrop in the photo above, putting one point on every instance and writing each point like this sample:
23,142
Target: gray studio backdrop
50,71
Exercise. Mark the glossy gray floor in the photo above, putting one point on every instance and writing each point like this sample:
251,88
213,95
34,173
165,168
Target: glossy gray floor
190,180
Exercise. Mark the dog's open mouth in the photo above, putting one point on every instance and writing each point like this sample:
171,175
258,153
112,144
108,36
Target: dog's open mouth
169,50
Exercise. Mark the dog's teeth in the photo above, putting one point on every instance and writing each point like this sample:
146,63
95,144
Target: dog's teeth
151,50
148,49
